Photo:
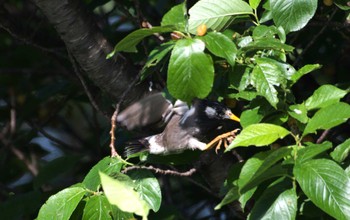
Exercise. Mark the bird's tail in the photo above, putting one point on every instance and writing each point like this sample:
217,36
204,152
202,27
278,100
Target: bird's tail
135,147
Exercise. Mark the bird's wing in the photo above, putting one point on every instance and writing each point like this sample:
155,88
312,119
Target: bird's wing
179,108
147,111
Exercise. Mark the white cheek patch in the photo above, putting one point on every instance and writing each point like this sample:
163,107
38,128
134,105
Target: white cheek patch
210,112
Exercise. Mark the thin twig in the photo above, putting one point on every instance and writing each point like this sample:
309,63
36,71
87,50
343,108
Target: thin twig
113,126
26,41
115,115
190,172
33,169
12,111
313,40
323,136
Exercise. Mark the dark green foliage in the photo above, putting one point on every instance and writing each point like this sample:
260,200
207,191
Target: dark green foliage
251,54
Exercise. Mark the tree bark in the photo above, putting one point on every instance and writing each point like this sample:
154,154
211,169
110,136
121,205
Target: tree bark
89,48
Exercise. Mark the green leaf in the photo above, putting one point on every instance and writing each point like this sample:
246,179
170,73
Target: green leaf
263,31
341,152
267,74
299,112
123,195
191,71
313,150
277,202
250,167
176,17
303,71
97,207
265,170
342,4
324,96
328,117
254,3
216,15
157,54
107,165
221,46
247,95
278,118
264,86
155,57
326,184
266,44
259,135
148,188
231,196
266,15
250,116
62,204
247,171
292,15
128,44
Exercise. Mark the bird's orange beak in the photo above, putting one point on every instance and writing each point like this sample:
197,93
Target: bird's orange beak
232,116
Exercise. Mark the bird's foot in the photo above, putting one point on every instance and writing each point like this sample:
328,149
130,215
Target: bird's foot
225,138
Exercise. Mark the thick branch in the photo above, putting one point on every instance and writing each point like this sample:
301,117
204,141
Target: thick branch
89,47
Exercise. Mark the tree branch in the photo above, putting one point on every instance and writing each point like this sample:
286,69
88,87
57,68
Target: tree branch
190,172
89,47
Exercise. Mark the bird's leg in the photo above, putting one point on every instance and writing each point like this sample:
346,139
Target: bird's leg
227,137
219,145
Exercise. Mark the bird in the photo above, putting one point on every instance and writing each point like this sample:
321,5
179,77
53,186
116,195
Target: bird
185,127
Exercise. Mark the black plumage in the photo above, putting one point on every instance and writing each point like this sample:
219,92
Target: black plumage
185,127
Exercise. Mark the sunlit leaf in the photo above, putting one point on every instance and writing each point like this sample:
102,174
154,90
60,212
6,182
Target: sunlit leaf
254,3
312,150
258,135
216,14
292,15
324,96
303,71
191,71
97,207
250,116
298,112
123,195
328,117
61,205
265,169
148,188
176,17
128,44
265,44
221,46
326,184
279,201
107,165
342,151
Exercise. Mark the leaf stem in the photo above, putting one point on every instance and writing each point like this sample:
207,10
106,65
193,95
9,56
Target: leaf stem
255,14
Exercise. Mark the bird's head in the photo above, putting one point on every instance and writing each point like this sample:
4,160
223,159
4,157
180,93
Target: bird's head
217,111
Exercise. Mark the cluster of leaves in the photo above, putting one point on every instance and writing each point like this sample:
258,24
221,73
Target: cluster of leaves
122,195
250,66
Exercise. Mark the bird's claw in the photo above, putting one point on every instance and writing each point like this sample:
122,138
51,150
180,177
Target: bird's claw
225,138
